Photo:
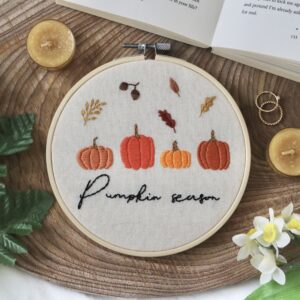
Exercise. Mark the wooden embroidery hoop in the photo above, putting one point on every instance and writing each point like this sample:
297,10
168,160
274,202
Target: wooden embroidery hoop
116,248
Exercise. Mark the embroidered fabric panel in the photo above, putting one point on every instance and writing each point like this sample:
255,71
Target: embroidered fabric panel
148,155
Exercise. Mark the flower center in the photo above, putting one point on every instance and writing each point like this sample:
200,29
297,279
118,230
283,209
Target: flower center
293,224
270,233
251,231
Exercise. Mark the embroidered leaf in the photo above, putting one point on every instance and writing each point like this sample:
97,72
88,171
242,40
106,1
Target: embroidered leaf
92,110
15,133
20,213
174,86
167,118
208,103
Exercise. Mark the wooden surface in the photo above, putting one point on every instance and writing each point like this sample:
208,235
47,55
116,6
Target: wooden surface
60,253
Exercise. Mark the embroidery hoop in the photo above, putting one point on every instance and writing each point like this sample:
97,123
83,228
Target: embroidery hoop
111,246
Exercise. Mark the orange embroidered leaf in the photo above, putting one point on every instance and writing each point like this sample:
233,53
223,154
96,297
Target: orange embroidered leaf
208,103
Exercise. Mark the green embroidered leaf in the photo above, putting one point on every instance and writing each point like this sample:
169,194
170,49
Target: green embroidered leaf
15,133
275,291
20,212
3,171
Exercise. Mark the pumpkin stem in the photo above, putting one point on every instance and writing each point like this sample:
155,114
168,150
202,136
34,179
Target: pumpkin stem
94,141
213,138
136,131
175,146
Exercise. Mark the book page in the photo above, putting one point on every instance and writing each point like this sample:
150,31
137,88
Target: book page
193,19
266,27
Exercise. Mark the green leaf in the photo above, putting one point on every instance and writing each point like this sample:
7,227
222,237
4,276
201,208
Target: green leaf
13,245
3,171
20,229
275,291
6,258
20,212
15,133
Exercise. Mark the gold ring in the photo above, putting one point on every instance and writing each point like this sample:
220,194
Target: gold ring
260,106
270,123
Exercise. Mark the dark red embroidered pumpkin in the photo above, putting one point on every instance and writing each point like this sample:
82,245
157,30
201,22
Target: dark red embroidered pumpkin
137,151
214,154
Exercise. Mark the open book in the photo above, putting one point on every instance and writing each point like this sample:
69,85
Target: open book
261,33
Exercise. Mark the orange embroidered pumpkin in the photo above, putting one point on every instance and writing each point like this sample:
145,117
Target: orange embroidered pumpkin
95,157
175,158
214,154
137,151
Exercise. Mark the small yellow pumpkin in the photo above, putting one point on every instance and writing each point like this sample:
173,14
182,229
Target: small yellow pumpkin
175,158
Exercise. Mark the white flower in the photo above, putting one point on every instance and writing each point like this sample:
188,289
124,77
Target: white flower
265,262
292,220
270,232
248,245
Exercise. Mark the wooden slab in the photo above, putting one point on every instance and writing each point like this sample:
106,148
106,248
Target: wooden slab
60,253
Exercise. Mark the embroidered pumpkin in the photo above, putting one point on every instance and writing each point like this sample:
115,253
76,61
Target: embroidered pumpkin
214,154
95,157
137,151
175,158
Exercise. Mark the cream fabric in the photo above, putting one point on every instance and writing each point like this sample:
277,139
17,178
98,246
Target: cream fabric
156,225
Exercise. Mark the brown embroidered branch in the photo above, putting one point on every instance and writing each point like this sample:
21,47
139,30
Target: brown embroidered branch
92,110
167,118
174,86
208,103
135,94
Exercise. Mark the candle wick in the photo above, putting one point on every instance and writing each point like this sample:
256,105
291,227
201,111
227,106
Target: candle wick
47,44
288,152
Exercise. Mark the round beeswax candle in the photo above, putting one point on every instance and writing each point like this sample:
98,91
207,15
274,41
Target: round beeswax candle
284,152
51,44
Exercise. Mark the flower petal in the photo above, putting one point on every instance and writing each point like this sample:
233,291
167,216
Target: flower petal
296,232
263,242
244,252
256,234
287,211
260,222
283,240
265,278
240,239
271,213
282,259
279,276
256,260
279,222
268,264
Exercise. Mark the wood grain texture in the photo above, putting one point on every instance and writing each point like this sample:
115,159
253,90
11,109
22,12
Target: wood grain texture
59,252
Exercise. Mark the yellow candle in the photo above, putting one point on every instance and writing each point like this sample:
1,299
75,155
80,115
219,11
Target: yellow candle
51,44
284,152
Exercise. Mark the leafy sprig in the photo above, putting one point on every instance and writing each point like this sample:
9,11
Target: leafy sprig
20,212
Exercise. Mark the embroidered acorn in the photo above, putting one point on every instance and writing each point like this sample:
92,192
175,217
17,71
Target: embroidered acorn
214,154
95,157
175,158
137,151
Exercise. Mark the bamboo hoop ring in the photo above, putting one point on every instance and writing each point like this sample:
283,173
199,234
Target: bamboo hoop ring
159,253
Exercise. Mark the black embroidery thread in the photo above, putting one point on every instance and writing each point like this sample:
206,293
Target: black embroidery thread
141,196
89,185
201,198
138,197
